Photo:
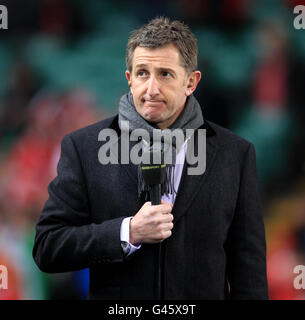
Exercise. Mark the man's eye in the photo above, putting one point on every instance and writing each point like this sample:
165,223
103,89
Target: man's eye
166,74
141,73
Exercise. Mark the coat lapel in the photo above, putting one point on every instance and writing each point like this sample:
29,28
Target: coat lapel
130,169
190,184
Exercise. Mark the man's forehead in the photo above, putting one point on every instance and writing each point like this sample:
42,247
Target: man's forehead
167,56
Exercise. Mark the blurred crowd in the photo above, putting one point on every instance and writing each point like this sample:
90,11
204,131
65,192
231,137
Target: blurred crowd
26,170
252,61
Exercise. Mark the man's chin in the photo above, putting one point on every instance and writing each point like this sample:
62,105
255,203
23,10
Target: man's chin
152,120
152,117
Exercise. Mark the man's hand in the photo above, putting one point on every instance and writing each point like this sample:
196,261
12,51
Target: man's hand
151,224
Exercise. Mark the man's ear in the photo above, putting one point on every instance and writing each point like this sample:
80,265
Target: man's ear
192,82
128,77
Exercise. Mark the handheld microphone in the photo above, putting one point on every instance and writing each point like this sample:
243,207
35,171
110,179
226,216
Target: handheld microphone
153,176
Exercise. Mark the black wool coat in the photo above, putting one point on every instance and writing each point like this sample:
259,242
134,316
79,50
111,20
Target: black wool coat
217,247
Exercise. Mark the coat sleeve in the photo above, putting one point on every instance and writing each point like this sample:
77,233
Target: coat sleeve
246,246
66,239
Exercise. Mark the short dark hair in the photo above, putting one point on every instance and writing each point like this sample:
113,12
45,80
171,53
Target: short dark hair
160,32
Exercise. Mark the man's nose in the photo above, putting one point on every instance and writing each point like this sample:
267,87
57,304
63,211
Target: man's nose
152,86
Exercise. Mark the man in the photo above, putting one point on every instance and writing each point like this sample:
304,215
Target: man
211,229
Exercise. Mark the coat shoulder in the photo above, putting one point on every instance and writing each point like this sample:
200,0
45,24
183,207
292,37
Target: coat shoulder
91,132
228,139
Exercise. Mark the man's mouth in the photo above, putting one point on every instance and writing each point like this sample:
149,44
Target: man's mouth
152,102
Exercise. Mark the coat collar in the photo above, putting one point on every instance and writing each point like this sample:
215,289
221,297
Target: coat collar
189,185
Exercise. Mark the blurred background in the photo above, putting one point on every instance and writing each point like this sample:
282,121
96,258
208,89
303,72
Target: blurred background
62,65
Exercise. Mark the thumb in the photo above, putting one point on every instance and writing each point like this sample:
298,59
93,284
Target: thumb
163,202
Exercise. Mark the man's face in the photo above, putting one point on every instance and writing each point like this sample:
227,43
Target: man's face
160,84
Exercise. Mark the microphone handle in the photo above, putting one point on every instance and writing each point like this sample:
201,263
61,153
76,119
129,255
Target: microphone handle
155,194
155,198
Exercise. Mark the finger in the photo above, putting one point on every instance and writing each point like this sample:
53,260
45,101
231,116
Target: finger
161,220
166,234
168,226
167,218
162,208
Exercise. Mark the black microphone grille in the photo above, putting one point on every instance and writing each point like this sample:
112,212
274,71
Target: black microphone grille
154,171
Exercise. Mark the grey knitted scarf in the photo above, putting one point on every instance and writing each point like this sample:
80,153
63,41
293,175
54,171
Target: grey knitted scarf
190,118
